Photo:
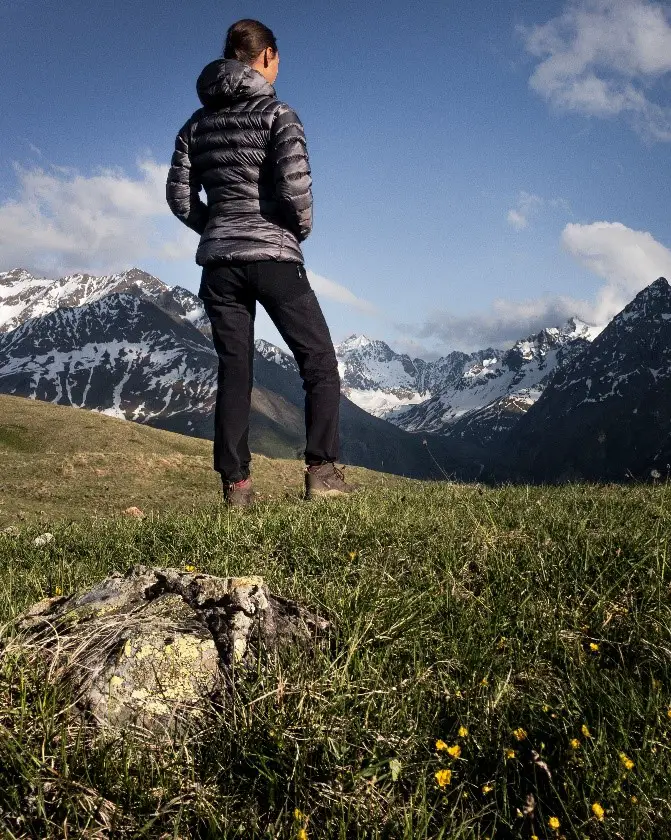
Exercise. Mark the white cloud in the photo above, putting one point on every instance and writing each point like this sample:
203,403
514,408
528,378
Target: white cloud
603,57
628,260
330,289
504,323
517,219
62,221
529,205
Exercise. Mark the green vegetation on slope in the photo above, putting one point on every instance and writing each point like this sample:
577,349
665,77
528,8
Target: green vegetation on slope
528,630
62,462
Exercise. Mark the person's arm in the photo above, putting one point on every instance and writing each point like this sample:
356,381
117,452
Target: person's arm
291,168
183,185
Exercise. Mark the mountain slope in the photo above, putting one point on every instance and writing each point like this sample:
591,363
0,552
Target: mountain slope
607,414
64,462
125,356
23,296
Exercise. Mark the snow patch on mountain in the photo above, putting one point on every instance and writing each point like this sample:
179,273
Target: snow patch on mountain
23,296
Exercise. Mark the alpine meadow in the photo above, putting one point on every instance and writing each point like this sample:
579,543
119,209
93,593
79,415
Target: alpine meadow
335,420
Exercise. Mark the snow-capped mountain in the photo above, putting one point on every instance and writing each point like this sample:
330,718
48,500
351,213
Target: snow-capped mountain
496,388
24,296
383,382
570,401
119,354
607,412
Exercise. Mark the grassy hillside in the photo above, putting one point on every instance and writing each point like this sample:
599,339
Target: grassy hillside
527,630
58,461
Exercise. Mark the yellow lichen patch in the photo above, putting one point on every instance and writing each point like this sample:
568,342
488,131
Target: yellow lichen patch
239,648
252,580
139,694
145,651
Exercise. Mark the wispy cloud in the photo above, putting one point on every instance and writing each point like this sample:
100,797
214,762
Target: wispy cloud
628,260
529,205
603,57
61,220
341,294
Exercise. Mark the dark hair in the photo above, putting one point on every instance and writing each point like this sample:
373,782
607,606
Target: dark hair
247,38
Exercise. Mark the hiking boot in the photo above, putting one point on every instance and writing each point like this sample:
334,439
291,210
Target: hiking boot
324,480
238,493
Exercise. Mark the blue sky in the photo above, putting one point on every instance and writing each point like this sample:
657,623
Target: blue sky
480,170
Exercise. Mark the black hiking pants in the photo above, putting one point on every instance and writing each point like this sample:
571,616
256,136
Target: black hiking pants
229,292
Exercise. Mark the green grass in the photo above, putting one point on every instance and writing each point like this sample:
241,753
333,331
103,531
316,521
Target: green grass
59,462
544,610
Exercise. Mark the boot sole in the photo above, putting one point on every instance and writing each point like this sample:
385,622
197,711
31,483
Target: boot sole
311,495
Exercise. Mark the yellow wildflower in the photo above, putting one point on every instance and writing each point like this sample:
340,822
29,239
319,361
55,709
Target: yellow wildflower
554,823
353,555
302,834
585,731
575,743
593,647
487,788
299,816
510,753
627,763
189,568
634,800
598,811
463,732
454,751
534,837
58,591
520,733
546,708
443,777
668,712
441,745
484,681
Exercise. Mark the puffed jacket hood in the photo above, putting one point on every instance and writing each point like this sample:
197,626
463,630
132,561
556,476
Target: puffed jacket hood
227,79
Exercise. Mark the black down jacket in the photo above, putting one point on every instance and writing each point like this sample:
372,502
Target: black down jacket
248,151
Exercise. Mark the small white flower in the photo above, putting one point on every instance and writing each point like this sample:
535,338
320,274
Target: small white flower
43,539
655,474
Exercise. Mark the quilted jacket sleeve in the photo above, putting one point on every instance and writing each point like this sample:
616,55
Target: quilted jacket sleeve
183,185
291,168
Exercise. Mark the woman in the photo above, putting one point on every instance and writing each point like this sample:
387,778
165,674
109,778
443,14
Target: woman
248,151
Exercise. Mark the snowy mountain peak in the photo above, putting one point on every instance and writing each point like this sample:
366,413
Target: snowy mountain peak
267,350
657,294
651,304
24,296
576,328
354,342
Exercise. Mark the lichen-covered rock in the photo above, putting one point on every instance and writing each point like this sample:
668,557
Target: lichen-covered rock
151,648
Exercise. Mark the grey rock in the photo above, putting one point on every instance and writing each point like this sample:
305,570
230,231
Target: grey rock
152,648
